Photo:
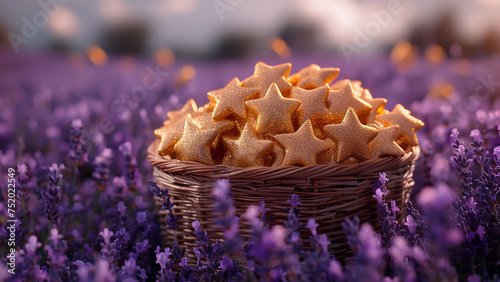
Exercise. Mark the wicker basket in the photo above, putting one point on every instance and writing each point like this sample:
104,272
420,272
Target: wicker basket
329,193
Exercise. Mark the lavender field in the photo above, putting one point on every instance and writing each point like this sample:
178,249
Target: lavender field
73,137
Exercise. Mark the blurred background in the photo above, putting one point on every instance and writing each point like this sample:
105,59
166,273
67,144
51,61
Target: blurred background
242,28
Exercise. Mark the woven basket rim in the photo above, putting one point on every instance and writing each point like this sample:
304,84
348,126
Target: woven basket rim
265,172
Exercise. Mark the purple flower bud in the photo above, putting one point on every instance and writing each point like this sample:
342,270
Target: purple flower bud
312,225
130,265
383,178
251,214
461,149
295,201
476,135
399,250
162,258
22,169
41,274
141,217
221,188
394,208
77,123
103,273
323,242
106,235
496,152
379,195
121,208
83,270
184,262
251,265
295,237
197,253
32,245
196,225
262,208
55,236
55,175
226,263
454,135
412,225
126,148
335,270
370,244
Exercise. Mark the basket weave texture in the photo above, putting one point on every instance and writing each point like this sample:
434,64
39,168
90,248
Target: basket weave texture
329,193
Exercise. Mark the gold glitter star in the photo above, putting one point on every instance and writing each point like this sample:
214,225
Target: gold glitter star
342,99
195,144
204,121
314,76
169,134
302,147
189,108
407,123
230,100
376,103
264,75
312,105
385,143
249,150
352,137
274,111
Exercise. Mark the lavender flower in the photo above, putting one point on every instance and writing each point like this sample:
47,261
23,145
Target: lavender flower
23,180
52,193
130,167
163,259
167,205
102,171
223,205
480,152
77,154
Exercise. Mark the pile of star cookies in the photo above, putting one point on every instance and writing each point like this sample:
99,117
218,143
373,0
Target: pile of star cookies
273,119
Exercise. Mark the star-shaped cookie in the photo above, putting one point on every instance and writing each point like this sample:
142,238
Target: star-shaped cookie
230,100
195,144
385,143
264,75
169,134
352,137
408,124
248,149
312,105
274,112
342,99
302,147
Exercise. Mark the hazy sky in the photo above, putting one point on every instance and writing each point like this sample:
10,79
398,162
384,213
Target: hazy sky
197,25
